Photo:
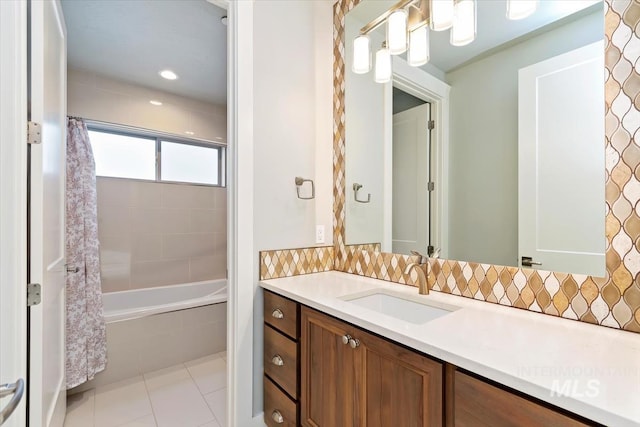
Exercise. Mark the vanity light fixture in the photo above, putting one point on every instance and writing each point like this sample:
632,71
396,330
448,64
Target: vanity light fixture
361,54
156,103
397,32
520,9
463,31
383,65
441,14
408,24
418,47
168,74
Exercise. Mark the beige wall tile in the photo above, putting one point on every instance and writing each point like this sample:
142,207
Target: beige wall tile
146,194
115,277
146,220
159,273
115,249
177,246
113,191
146,247
204,197
208,268
176,221
113,220
204,220
177,196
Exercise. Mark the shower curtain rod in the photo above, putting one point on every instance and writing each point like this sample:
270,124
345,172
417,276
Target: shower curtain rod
97,124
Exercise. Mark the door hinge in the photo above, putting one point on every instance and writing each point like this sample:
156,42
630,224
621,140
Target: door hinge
431,124
34,295
34,133
431,186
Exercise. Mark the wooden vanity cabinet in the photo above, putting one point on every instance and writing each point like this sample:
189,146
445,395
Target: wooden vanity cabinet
350,377
473,402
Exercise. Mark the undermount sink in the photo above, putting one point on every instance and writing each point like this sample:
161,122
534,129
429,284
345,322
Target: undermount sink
400,307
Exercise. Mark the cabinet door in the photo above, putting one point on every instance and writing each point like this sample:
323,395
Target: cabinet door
400,387
327,372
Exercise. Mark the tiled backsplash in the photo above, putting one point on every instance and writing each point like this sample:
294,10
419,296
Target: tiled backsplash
294,262
612,301
155,234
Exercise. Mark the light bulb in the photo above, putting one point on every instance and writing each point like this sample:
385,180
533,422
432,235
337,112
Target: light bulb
383,66
397,32
418,47
520,9
441,14
463,31
361,55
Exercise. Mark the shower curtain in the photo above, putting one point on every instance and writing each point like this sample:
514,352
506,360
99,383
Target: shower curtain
86,344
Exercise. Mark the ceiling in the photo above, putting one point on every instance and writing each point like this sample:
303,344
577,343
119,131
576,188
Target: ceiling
133,40
493,27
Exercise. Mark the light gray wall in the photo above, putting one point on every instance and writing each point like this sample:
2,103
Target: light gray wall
293,92
483,174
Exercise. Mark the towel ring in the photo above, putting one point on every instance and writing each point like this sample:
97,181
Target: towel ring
299,182
357,187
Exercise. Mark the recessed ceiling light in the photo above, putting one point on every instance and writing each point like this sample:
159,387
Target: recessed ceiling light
188,132
154,102
168,74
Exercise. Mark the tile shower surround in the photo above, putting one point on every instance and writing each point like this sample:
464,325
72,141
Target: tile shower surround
612,301
155,234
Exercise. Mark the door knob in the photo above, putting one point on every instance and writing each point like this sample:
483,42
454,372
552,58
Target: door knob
527,261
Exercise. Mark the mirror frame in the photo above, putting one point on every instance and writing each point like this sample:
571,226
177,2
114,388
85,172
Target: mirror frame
613,300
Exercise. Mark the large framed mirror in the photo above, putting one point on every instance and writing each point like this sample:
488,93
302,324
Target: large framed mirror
493,152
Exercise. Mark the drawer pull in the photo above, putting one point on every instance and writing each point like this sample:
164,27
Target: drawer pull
354,342
277,360
346,339
277,417
277,313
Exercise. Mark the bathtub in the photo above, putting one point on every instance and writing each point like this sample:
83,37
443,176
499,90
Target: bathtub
127,305
155,328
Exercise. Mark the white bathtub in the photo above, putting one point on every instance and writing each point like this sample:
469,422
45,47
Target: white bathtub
127,305
155,328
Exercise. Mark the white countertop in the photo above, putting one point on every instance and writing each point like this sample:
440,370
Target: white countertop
589,370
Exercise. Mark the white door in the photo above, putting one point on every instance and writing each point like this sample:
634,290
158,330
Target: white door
47,400
410,216
561,162
13,208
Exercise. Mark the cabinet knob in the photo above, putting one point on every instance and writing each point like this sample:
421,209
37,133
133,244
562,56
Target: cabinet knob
277,360
354,342
277,313
346,339
277,417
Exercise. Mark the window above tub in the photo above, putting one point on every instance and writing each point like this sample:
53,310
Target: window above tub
123,152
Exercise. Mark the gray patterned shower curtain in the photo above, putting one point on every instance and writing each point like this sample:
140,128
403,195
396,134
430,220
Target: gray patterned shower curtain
86,344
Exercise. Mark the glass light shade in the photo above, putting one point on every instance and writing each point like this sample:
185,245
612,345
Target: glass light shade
397,32
383,66
441,14
463,31
418,47
361,55
520,9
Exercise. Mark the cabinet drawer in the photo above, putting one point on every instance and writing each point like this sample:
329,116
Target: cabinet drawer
480,404
281,360
281,313
279,409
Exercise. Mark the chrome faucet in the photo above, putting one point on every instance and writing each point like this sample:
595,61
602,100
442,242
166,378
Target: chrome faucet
423,284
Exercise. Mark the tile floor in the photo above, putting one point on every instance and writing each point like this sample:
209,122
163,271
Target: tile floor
192,394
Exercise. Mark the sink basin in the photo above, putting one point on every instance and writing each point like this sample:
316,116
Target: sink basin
400,308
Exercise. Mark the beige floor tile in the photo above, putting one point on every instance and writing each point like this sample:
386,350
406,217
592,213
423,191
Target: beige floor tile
209,374
217,401
147,421
176,399
80,409
121,402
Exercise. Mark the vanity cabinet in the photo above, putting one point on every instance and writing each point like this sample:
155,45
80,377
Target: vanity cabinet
350,377
473,402
281,367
